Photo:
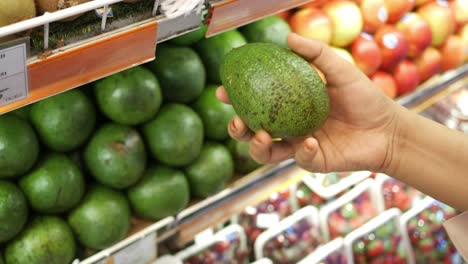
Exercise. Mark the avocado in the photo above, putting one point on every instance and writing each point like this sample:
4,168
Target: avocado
175,135
271,29
161,192
130,97
46,240
64,122
212,51
13,211
23,112
19,146
180,71
214,114
209,173
116,156
102,219
191,37
55,186
274,89
240,151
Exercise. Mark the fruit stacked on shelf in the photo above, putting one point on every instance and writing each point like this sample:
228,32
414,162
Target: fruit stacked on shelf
398,44
140,143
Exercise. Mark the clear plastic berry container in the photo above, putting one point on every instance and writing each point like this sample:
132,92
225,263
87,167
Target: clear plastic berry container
381,240
348,212
291,239
428,237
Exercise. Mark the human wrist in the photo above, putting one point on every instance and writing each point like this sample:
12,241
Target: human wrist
396,134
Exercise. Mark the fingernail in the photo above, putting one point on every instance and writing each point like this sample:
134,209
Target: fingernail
233,126
308,146
257,141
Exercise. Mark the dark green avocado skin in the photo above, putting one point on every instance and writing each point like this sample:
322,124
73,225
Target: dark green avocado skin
274,89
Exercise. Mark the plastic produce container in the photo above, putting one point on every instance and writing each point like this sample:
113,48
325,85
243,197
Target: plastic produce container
392,193
228,246
330,253
348,212
381,240
291,239
427,235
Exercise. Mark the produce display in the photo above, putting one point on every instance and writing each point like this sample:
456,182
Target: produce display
349,211
399,195
292,241
75,168
381,246
277,207
141,142
398,44
226,246
428,237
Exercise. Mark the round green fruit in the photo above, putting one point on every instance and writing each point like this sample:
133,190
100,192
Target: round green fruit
13,211
240,151
64,122
55,186
209,173
102,219
175,135
116,156
214,114
47,240
19,146
213,50
274,89
180,71
191,37
161,192
272,29
130,97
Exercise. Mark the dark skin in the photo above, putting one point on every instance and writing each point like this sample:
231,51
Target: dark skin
367,131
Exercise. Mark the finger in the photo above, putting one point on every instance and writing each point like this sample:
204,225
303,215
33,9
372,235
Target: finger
321,55
222,95
238,130
308,158
264,150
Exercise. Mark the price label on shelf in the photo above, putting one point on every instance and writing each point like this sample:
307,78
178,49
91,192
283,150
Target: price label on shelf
267,220
229,14
13,74
141,251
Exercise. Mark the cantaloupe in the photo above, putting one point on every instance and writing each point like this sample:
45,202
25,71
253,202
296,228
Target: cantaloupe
12,11
54,5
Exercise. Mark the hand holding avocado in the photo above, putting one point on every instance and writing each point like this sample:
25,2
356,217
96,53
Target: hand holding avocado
355,136
365,130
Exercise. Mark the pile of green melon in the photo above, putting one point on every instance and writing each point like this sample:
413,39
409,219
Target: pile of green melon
75,167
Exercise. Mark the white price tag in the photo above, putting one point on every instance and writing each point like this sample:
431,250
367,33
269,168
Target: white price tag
140,252
204,237
267,220
13,74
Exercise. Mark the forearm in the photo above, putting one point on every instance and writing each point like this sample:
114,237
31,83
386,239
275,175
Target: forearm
431,158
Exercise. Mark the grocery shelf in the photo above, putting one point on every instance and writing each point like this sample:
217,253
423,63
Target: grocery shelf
432,87
111,49
242,192
224,15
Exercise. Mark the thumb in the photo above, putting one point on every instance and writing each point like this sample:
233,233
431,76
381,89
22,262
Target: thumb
337,70
309,156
